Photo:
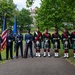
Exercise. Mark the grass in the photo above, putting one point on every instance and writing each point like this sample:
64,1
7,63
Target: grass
3,56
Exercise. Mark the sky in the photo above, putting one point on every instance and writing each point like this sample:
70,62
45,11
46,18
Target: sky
21,4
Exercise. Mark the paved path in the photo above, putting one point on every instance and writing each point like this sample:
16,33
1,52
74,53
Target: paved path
37,66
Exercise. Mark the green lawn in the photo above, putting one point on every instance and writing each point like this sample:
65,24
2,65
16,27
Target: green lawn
3,56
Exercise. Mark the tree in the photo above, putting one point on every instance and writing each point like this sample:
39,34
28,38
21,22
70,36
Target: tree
24,19
29,3
49,14
55,13
8,7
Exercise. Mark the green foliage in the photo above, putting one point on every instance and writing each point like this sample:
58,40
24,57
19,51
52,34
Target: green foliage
49,14
53,13
24,20
29,2
8,7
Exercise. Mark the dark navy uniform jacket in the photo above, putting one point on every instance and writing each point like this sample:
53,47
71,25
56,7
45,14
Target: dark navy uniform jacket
66,36
46,36
18,38
28,38
57,39
9,39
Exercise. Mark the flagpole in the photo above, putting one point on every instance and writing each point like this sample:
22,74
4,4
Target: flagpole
4,22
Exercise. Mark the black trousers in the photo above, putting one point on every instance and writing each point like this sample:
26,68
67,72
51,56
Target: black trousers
21,49
0,56
9,48
26,50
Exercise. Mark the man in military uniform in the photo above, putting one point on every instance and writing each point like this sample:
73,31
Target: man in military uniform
46,42
28,40
73,41
37,41
66,42
14,35
56,42
0,47
9,44
19,43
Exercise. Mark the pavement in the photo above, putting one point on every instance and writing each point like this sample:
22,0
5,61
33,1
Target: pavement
37,66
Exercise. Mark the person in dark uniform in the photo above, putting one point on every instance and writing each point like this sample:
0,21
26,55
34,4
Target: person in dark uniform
37,41
28,40
14,35
0,47
66,42
73,41
56,42
19,43
46,42
9,44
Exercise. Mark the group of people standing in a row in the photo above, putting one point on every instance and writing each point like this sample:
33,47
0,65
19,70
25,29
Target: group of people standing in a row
67,39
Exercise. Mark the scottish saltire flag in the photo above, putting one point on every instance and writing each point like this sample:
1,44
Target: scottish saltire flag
15,26
4,34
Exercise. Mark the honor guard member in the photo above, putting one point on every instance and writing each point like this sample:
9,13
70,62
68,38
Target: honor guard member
46,42
19,43
37,41
28,40
0,47
14,41
9,44
56,42
73,41
66,42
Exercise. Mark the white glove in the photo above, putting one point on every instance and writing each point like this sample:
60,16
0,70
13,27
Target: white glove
28,41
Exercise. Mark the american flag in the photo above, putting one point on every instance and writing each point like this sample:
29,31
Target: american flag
4,36
4,33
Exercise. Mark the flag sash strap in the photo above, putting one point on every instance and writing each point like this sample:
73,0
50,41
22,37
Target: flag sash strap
65,35
55,34
73,33
38,37
47,35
